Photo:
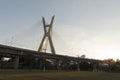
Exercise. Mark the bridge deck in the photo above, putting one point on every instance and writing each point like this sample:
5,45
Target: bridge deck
9,51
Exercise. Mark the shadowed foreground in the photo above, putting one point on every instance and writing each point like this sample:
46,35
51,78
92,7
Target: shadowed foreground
60,76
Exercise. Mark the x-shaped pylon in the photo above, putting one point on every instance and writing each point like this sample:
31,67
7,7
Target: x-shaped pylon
47,36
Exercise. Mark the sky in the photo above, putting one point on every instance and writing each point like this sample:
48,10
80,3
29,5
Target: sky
81,27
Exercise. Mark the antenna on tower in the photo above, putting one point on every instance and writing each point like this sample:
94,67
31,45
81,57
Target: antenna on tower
47,36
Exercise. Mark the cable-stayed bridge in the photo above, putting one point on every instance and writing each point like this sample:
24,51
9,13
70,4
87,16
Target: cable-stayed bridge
45,57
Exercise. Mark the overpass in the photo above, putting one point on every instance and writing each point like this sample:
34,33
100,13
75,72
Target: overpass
16,53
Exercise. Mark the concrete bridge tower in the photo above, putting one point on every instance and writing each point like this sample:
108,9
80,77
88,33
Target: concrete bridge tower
47,37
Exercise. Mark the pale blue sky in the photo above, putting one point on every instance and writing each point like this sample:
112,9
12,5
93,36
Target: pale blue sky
89,27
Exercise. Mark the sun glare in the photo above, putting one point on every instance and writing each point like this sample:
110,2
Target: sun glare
108,52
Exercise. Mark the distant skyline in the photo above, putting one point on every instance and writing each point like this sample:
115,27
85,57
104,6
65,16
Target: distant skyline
89,27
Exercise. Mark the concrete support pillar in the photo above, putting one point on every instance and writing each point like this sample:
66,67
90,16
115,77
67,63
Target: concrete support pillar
58,64
1,62
16,64
40,64
78,65
89,63
94,67
44,65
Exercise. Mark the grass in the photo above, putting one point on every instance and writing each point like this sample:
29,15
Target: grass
59,76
